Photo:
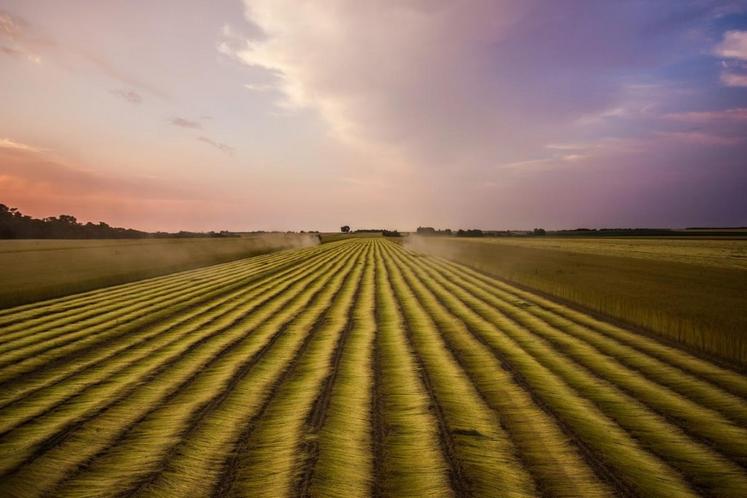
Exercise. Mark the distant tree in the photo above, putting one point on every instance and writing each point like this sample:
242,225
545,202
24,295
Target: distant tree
539,231
472,232
426,231
345,229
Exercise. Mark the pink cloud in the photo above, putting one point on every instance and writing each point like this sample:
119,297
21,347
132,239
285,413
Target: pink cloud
730,115
700,138
733,46
730,78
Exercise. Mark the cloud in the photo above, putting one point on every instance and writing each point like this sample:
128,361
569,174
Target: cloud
130,96
7,143
185,123
20,39
465,84
731,78
220,146
701,138
737,114
733,45
260,87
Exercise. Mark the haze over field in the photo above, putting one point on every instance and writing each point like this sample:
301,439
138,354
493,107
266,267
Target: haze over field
280,114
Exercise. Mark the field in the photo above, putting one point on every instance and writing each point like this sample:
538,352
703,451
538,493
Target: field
689,290
41,269
354,368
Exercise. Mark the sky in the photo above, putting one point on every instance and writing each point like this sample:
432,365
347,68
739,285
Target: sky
298,114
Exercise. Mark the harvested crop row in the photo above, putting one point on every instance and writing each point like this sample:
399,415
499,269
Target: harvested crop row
22,329
44,310
472,429
354,369
60,459
613,446
53,373
556,466
76,308
411,459
71,303
111,377
560,315
156,435
158,311
695,419
70,331
205,458
703,467
269,461
343,465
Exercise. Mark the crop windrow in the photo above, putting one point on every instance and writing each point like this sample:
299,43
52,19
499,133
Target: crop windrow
557,467
697,420
280,439
42,329
412,462
703,467
354,369
96,309
70,339
724,378
194,467
471,427
60,457
86,341
636,468
115,375
340,462
31,395
52,308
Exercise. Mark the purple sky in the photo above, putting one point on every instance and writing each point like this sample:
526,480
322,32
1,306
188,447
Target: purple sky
293,114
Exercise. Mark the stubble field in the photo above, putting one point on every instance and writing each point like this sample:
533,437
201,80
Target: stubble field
355,368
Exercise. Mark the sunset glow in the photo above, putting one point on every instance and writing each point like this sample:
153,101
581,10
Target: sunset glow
284,114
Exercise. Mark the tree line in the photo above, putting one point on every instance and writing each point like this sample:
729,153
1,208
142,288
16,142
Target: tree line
16,225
